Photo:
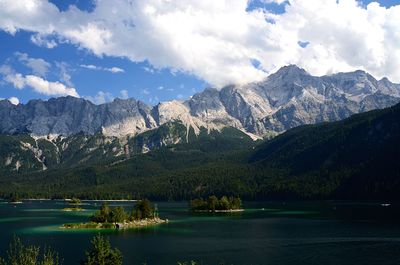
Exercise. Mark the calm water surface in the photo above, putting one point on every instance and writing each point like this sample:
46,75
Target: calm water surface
266,233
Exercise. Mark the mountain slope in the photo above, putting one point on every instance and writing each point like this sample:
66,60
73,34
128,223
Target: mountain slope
356,158
23,153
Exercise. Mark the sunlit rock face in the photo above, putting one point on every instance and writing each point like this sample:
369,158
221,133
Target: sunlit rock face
286,99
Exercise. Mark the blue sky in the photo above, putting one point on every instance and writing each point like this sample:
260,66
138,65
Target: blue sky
103,72
140,79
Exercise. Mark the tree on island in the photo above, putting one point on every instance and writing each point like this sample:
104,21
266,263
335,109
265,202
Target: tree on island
143,209
75,201
101,253
103,215
213,204
118,215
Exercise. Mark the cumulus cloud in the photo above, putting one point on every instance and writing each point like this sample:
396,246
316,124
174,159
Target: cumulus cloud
43,41
100,98
49,88
113,70
14,100
218,41
40,85
37,65
124,94
17,80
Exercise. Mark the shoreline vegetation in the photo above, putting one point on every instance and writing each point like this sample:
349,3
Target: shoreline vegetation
74,205
143,214
213,204
100,252
14,199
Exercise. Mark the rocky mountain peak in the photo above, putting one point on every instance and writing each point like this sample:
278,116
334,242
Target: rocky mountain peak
289,72
287,98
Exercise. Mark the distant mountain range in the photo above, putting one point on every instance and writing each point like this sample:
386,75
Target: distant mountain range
286,99
70,132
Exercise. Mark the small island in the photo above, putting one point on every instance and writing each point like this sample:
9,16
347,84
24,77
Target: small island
143,214
214,205
74,204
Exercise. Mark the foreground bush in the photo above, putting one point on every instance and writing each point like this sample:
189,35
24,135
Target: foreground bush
101,253
20,254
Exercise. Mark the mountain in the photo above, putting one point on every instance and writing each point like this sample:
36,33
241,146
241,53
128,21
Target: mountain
69,132
286,99
356,158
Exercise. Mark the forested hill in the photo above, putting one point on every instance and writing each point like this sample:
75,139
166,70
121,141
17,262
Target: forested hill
356,158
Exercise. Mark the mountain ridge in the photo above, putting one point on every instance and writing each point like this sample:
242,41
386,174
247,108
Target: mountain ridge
285,99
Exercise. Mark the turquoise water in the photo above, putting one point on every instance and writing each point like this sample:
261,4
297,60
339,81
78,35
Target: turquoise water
266,233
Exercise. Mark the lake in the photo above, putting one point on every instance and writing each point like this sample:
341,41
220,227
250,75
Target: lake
266,233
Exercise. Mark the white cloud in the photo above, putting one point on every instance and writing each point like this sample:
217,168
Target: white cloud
64,74
113,70
17,80
40,85
37,65
100,98
218,40
149,69
49,88
43,41
124,94
90,66
14,100
146,91
6,69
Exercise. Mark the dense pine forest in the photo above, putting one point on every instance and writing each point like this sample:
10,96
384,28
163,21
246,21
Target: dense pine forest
356,158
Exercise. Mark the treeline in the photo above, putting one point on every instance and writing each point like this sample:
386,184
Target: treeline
143,209
213,204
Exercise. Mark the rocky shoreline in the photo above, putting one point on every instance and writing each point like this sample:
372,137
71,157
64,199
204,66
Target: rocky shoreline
219,211
123,225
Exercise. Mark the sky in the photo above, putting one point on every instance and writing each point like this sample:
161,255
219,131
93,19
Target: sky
158,50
